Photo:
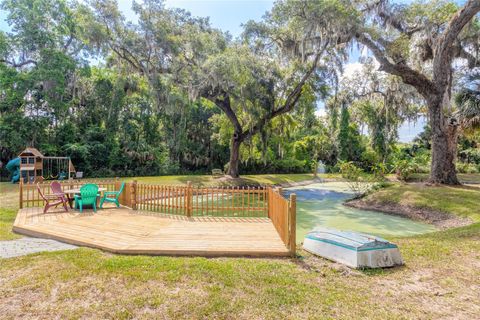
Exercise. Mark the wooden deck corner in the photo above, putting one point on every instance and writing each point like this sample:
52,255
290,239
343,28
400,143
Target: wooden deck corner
125,231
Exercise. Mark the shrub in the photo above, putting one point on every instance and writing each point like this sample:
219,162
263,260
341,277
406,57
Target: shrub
369,160
471,155
332,169
288,165
405,168
463,167
357,181
379,170
291,166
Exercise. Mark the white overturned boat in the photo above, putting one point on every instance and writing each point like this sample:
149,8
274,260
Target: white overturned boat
353,249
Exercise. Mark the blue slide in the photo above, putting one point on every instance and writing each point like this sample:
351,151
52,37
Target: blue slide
14,167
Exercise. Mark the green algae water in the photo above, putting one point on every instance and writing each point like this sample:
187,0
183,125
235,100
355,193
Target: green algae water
321,205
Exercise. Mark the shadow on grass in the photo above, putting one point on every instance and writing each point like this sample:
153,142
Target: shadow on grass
313,263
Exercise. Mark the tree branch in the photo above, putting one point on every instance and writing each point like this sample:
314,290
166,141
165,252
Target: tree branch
370,93
19,64
444,45
124,57
291,100
409,76
472,61
222,101
68,43
397,24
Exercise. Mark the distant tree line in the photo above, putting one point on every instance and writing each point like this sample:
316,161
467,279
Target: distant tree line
170,94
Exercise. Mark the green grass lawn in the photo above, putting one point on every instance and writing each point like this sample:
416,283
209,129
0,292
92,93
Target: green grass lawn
467,178
441,278
462,201
7,216
208,180
8,210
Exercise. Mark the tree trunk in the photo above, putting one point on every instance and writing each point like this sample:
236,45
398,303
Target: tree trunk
315,166
234,155
444,145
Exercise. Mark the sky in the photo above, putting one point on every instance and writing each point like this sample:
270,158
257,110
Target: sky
228,15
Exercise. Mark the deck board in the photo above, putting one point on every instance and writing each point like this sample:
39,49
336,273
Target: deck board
122,230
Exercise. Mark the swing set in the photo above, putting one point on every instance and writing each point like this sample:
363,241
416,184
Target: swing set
35,167
56,168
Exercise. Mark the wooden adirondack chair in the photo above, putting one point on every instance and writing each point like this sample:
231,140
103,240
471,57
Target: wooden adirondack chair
50,200
88,196
57,190
112,196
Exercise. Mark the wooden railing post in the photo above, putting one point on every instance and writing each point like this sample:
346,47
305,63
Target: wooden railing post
117,183
292,224
20,198
189,199
133,194
270,203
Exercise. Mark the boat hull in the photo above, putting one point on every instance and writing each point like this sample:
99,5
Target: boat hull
379,256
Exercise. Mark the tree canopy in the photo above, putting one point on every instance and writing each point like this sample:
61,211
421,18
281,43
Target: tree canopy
170,93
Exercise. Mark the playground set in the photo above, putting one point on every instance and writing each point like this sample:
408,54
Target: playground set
32,166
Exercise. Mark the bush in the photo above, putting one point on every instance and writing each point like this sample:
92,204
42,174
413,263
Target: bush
369,160
332,169
466,167
405,168
350,171
288,165
470,155
291,166
357,181
379,170
407,160
423,169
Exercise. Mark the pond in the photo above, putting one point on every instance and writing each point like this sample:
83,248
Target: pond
320,204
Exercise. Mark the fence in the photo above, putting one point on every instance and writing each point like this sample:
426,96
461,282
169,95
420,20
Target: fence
203,201
282,213
29,196
241,202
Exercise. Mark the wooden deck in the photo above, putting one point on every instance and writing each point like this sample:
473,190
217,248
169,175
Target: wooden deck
122,230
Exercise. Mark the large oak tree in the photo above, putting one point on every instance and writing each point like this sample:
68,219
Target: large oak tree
251,82
418,43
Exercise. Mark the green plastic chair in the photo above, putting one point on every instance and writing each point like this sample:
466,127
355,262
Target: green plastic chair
88,196
107,196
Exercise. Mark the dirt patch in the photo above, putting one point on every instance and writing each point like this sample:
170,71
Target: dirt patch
313,263
439,219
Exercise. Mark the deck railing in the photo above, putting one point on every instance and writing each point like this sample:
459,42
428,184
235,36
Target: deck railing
203,201
189,201
29,196
282,212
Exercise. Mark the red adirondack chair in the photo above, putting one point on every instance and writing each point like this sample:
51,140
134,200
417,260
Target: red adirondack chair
52,200
57,190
